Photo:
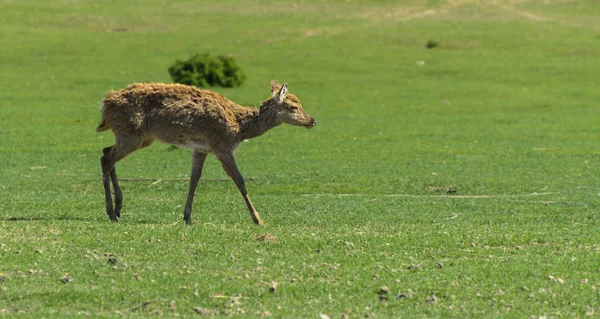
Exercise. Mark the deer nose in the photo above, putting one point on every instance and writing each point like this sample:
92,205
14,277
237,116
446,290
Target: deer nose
313,122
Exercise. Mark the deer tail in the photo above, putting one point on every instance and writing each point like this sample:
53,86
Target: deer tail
103,126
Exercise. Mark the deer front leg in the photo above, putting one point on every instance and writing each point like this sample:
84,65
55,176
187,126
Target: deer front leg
232,170
197,164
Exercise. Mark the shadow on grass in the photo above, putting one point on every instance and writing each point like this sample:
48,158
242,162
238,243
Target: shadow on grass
45,218
98,221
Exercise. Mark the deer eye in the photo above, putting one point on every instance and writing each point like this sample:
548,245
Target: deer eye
294,108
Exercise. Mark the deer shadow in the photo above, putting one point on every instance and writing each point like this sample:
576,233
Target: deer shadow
81,219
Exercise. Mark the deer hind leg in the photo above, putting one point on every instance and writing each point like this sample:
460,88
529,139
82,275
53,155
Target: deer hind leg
108,172
125,145
117,192
230,167
198,159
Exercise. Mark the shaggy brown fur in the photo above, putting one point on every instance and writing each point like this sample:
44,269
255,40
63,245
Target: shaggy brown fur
181,115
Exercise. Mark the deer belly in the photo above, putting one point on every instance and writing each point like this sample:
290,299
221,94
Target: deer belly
196,144
200,146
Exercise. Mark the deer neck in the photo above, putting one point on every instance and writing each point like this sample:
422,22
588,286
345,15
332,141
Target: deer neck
259,121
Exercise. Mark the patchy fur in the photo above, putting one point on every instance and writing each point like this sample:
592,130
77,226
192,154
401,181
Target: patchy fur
181,115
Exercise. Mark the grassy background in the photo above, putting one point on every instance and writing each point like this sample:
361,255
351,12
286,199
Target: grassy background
468,172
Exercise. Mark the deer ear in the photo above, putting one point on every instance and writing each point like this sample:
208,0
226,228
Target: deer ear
283,92
275,87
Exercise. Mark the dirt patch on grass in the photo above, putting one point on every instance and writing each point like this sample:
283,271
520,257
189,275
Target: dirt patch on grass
404,13
108,24
256,9
374,15
509,9
266,237
442,189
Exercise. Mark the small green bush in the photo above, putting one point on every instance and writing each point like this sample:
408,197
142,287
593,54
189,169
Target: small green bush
431,44
203,70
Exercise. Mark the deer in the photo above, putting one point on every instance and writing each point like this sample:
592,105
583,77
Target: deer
184,116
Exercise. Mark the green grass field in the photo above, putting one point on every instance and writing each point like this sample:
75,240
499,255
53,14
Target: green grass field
465,178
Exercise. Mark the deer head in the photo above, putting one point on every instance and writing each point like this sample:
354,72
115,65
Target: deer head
288,107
